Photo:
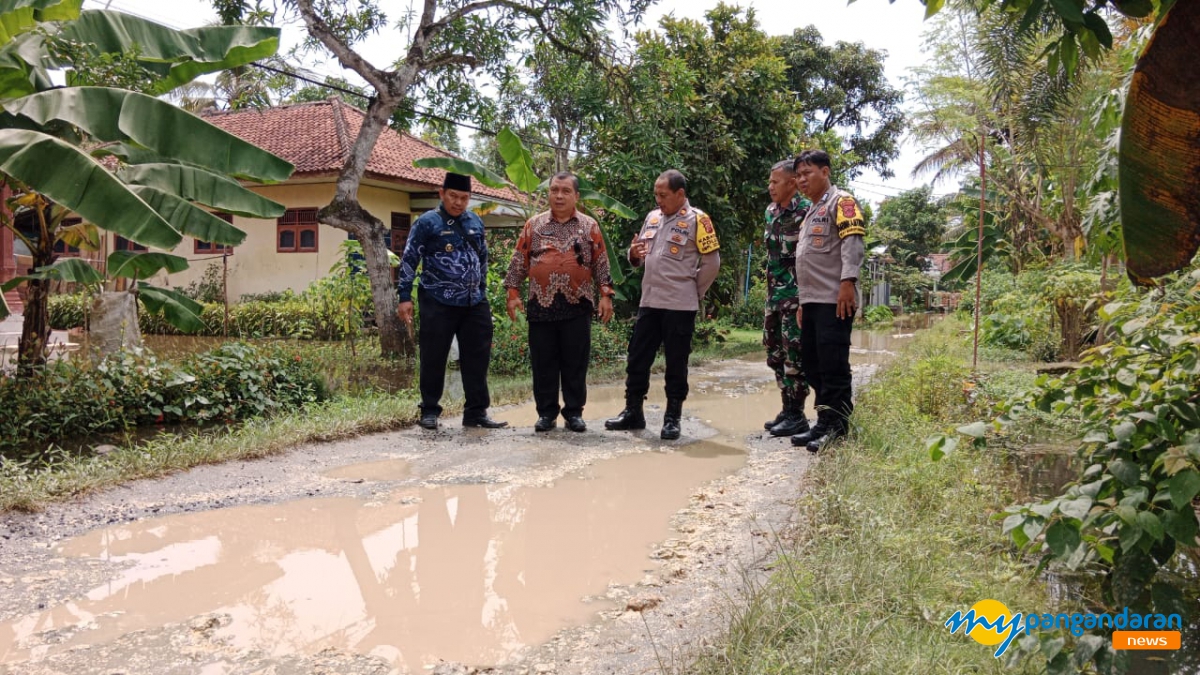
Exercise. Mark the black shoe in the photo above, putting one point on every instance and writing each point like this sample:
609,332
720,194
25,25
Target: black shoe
815,432
428,420
822,442
545,423
792,425
670,428
575,423
483,422
630,419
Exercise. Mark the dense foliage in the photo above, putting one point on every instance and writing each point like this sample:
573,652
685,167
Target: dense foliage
78,399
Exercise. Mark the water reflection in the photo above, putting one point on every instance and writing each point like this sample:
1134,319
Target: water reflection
468,573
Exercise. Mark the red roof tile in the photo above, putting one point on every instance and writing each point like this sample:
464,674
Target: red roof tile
317,138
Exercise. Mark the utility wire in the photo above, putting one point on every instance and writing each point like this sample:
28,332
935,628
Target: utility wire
417,109
425,113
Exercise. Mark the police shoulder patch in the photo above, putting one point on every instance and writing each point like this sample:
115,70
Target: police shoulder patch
849,218
706,234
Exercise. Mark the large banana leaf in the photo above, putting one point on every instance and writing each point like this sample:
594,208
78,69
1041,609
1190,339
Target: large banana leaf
519,161
178,309
131,265
75,181
115,115
21,16
204,187
190,219
176,56
614,263
588,193
1159,156
467,168
4,309
71,270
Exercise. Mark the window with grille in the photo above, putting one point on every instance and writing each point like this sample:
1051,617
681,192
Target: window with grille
211,248
296,231
122,244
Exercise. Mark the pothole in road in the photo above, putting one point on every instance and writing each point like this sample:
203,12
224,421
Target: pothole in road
382,470
464,573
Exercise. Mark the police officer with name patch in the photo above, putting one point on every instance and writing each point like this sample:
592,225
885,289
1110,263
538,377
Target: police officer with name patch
449,245
828,259
678,247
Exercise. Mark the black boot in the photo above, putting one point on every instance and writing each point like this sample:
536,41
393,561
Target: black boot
630,419
793,422
782,411
670,428
818,430
832,434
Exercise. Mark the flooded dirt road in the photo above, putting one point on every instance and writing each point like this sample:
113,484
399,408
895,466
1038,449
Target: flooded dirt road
415,551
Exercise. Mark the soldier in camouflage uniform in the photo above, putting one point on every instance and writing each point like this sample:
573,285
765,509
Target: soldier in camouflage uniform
781,332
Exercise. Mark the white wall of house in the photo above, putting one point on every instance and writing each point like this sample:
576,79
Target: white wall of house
257,267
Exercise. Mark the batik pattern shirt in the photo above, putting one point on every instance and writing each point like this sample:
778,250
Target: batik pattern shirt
453,270
564,263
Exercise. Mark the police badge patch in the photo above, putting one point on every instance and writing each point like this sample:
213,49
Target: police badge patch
706,237
849,218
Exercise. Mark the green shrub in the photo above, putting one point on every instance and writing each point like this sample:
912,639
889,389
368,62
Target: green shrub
749,312
296,318
69,311
77,399
510,344
878,316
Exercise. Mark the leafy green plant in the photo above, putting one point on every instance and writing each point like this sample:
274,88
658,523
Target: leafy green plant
74,398
1136,404
150,199
878,316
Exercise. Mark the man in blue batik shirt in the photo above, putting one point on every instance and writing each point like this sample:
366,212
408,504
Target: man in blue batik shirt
449,245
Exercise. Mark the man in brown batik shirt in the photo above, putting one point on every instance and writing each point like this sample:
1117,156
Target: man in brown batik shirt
562,253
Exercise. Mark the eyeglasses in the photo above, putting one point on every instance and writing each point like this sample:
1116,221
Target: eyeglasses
578,252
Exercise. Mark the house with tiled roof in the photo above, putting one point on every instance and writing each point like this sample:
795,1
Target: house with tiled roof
294,250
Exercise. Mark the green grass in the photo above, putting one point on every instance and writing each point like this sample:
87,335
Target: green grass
61,476
358,408
891,543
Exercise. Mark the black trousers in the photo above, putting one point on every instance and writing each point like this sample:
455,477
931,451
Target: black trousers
671,329
559,352
825,360
440,324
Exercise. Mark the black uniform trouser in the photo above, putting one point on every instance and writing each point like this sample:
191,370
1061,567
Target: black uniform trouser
440,324
559,352
670,328
825,360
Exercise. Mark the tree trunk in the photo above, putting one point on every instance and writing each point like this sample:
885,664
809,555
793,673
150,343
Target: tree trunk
35,329
393,337
346,213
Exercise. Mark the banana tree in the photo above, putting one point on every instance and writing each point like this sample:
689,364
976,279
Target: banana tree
521,177
1159,159
170,164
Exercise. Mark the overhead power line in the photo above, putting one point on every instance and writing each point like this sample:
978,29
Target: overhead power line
423,112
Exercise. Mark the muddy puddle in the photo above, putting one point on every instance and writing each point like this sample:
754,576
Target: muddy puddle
382,470
468,573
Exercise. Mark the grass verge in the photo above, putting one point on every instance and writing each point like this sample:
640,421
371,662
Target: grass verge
891,543
59,475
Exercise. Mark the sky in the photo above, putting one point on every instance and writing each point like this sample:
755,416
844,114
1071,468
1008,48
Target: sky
894,28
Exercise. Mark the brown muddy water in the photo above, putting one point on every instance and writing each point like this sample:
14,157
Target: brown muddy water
468,573
421,573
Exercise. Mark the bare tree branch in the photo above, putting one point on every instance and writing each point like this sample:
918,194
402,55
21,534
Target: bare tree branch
344,53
